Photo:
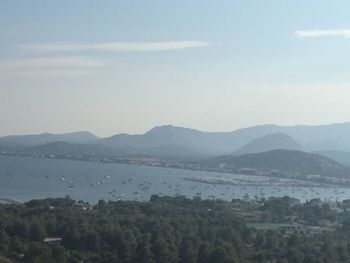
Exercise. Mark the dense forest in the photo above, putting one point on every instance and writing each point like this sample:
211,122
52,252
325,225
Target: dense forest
169,229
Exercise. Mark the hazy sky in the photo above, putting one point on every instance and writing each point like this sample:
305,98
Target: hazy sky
126,66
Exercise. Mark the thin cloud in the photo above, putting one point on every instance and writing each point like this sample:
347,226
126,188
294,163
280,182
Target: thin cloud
51,63
345,33
113,47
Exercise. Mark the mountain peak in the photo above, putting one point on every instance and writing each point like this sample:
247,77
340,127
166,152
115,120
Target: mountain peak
168,129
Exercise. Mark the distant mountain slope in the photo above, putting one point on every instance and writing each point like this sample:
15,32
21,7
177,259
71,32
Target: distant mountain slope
184,142
340,157
32,140
310,138
296,163
335,137
269,142
213,143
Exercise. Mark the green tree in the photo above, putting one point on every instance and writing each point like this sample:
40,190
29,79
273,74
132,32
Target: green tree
188,252
204,252
144,253
37,232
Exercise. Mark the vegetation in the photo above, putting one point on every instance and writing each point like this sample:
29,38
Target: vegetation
167,229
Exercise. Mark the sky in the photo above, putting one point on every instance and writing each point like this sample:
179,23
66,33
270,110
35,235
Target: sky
126,66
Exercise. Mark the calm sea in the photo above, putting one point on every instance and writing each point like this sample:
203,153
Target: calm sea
23,179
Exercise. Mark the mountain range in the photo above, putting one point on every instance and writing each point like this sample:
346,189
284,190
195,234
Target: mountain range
334,137
177,142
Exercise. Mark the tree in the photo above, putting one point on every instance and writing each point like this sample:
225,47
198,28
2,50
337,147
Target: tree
37,232
204,252
295,256
144,253
161,251
219,254
93,241
126,252
188,252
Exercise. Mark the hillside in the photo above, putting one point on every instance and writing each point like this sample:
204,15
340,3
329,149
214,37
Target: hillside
269,142
173,229
39,139
280,162
338,156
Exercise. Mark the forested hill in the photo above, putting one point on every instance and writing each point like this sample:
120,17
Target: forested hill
168,230
287,162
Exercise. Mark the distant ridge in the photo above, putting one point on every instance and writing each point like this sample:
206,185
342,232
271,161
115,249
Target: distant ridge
181,142
212,143
275,141
38,139
309,138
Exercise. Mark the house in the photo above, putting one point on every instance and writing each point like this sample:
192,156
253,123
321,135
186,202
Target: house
53,241
82,205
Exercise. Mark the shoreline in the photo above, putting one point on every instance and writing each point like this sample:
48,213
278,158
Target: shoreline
174,164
